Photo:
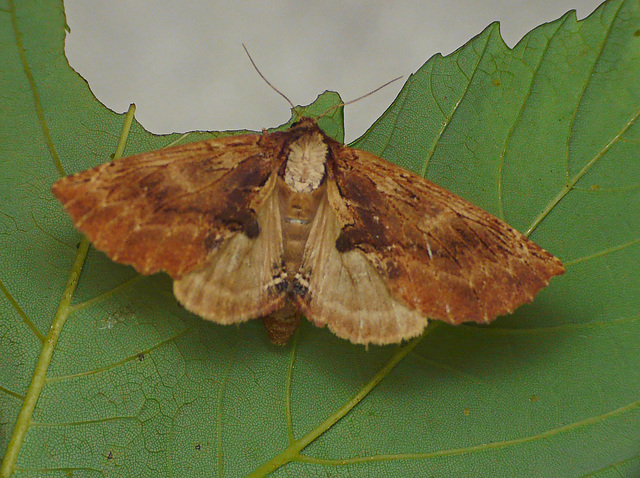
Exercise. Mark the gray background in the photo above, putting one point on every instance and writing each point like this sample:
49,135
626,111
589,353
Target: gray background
183,65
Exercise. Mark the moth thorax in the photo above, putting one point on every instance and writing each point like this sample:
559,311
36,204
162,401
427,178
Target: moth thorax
306,163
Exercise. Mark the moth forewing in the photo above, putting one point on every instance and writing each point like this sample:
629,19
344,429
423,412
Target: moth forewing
436,252
168,210
293,222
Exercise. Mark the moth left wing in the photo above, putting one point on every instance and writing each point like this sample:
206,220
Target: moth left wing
167,210
203,212
244,279
435,252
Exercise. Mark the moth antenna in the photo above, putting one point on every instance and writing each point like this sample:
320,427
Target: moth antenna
267,81
358,98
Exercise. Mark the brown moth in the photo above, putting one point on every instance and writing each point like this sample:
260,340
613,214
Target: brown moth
284,224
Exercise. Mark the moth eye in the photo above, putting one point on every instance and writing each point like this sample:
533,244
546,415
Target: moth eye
293,125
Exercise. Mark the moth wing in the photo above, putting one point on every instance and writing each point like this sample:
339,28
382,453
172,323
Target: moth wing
244,279
435,252
168,210
344,291
186,210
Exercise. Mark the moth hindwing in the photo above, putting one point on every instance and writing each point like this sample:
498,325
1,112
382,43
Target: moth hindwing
287,223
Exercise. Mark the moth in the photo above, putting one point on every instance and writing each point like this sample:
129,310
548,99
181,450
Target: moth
285,224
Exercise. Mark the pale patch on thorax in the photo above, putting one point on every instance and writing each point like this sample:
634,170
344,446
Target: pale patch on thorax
306,163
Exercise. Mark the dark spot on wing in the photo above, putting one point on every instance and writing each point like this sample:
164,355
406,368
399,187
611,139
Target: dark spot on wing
248,175
363,199
342,243
252,229
281,287
299,289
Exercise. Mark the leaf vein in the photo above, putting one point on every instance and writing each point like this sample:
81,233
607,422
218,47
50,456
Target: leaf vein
569,186
20,311
601,253
34,90
446,124
130,358
517,120
477,448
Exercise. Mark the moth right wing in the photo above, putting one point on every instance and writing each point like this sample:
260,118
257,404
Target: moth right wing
345,292
436,252
193,211
389,249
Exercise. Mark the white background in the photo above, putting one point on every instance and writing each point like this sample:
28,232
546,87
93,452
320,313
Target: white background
183,65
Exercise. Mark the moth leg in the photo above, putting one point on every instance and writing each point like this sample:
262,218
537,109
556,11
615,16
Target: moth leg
281,325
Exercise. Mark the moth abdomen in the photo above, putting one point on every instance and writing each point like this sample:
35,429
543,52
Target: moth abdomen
282,324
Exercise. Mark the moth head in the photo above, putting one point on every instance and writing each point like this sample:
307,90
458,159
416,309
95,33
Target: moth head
305,124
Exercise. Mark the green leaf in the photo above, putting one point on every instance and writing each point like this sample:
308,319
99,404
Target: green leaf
114,378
